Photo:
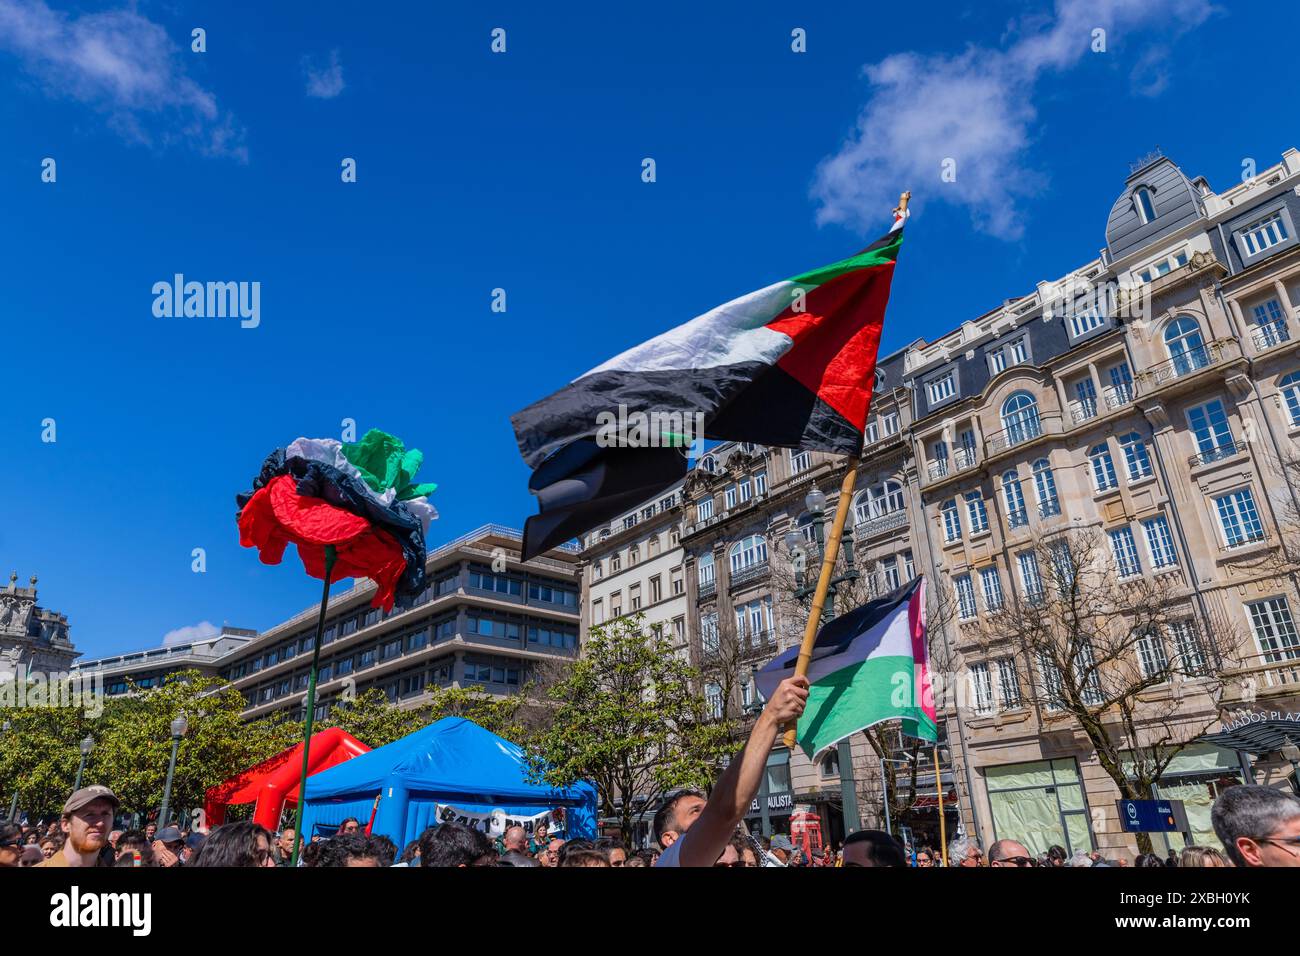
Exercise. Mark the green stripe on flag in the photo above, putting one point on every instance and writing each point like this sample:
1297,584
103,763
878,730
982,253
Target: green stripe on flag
856,697
868,258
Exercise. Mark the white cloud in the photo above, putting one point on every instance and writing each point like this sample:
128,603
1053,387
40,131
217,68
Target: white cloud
194,632
324,83
123,65
975,108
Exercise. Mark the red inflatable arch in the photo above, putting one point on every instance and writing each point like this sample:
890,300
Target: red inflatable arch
274,782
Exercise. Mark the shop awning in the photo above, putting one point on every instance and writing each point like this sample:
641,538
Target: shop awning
1258,733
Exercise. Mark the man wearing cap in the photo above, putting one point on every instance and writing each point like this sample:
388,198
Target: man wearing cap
167,847
87,820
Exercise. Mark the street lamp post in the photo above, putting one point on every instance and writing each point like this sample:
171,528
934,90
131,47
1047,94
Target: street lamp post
179,726
815,502
753,710
13,806
87,746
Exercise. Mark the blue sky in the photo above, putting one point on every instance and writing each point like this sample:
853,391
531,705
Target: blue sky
520,171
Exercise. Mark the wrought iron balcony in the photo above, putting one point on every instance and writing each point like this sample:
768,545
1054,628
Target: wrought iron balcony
1017,519
881,524
1023,431
963,457
1270,334
1185,363
749,572
1082,411
1118,396
1218,453
1049,509
708,589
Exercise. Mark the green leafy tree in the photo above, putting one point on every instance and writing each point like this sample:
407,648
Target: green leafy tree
39,755
627,716
134,741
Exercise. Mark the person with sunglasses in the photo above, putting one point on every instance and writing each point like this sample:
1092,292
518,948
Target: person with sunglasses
1009,853
924,857
11,845
1258,826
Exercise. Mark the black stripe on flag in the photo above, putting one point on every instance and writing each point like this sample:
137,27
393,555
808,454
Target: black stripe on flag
585,485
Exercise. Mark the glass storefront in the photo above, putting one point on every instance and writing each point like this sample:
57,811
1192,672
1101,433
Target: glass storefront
1196,776
1039,804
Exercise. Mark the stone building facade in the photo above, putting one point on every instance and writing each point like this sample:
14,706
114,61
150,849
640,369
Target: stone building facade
1150,397
32,638
1153,396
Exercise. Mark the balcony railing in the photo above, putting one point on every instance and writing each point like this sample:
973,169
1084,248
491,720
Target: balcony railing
708,589
1049,509
749,572
1193,360
1023,431
1082,411
1017,519
881,524
963,457
1218,453
1118,396
1270,334
1276,673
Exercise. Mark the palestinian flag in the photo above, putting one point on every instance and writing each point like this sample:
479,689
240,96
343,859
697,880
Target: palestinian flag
359,497
789,365
867,666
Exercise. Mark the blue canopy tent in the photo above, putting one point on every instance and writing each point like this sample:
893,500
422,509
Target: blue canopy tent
453,762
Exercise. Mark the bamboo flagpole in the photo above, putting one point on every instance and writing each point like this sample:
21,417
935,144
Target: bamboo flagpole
943,830
832,550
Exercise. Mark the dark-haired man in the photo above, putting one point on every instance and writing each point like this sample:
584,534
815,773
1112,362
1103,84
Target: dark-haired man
873,848
696,832
455,845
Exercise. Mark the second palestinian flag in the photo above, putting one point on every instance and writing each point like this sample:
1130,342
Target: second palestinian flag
868,666
790,365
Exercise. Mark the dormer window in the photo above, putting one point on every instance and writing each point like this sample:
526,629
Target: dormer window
1146,208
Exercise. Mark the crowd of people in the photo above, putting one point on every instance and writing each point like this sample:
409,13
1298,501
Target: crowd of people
1257,827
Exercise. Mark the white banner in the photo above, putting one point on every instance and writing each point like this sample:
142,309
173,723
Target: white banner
496,822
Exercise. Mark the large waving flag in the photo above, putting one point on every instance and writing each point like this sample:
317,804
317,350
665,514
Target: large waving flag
868,666
790,365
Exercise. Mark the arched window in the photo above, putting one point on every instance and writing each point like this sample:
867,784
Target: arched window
1020,418
879,500
748,552
633,555
1290,386
1185,345
706,569
1143,203
1137,463
1045,489
708,464
1103,467
1015,499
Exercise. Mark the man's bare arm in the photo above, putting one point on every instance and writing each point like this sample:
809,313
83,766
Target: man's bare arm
704,842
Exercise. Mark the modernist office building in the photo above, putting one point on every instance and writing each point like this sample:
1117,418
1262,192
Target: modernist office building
486,621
